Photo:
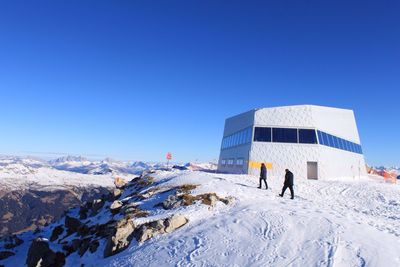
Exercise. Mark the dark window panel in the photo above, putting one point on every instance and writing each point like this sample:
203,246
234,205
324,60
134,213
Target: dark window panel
262,134
284,135
307,136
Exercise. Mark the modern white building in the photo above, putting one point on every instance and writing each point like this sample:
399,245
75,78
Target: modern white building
314,142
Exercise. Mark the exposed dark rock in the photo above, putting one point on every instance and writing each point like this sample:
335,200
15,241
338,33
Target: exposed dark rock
57,231
132,210
68,249
103,230
5,254
84,230
93,246
228,201
40,254
97,204
83,213
79,245
178,200
84,246
172,202
72,224
75,244
11,241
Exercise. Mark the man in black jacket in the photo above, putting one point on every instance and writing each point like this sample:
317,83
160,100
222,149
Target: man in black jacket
263,175
288,183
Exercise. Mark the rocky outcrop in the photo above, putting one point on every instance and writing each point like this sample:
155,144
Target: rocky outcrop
125,230
57,231
40,254
120,237
72,224
149,230
178,200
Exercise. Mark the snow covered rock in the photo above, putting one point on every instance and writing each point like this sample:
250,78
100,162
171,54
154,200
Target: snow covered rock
158,227
174,222
116,205
40,254
172,202
116,193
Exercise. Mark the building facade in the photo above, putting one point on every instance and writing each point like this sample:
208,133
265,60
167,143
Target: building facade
314,142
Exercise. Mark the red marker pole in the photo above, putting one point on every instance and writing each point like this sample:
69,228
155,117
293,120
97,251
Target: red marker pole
169,157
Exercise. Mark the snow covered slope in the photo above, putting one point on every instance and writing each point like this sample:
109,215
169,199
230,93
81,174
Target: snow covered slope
329,223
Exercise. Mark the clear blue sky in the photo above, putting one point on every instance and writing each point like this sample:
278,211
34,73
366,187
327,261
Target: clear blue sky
135,79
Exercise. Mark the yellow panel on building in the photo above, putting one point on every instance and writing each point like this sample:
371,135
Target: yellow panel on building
256,164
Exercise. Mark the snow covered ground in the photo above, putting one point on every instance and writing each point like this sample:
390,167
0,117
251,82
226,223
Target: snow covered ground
343,222
329,223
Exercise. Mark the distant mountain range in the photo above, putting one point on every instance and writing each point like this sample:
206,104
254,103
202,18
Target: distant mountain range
34,192
78,164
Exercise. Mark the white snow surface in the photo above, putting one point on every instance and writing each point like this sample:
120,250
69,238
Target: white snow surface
343,222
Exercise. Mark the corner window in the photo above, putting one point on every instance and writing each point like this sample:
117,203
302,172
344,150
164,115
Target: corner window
262,134
307,136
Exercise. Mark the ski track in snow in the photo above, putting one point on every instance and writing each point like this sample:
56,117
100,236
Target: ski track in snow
330,223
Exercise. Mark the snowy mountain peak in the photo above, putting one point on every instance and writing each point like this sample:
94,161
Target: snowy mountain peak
67,159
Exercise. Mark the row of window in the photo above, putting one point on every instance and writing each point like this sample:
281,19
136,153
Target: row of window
288,135
231,162
337,142
285,135
238,138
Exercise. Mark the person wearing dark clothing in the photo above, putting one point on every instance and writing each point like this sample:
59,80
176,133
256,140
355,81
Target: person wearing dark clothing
263,175
288,184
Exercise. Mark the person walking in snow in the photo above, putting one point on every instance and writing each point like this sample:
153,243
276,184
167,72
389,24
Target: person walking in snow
288,184
263,175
